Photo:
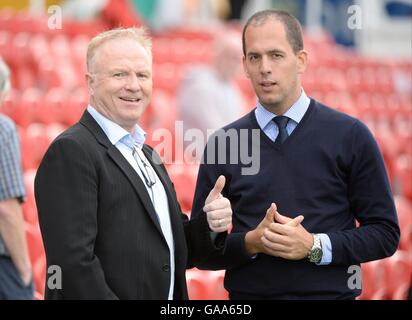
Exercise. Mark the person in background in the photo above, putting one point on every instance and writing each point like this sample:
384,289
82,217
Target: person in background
15,268
208,98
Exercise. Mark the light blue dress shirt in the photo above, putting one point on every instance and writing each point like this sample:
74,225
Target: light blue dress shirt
295,113
124,142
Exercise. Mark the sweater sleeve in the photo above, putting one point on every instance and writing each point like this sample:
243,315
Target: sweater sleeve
371,203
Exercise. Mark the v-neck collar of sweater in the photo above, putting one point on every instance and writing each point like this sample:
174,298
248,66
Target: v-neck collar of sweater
295,132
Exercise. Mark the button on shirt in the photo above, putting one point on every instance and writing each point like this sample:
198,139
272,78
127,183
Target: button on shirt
124,142
295,113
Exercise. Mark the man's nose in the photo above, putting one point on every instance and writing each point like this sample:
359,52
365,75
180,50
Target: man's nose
264,66
133,83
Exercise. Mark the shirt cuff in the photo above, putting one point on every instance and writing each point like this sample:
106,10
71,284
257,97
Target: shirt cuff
326,249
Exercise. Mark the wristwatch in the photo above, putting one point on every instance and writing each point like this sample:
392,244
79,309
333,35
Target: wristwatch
315,253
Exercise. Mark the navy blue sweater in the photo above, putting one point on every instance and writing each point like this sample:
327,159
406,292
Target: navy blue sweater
330,171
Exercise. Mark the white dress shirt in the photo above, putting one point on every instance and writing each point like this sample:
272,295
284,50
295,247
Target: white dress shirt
124,142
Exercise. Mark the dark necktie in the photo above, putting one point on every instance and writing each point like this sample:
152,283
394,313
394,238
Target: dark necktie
281,122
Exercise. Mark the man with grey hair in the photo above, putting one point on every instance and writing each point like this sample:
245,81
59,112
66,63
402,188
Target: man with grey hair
108,211
15,269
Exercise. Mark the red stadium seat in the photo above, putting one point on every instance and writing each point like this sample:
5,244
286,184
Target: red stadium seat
163,111
54,106
161,50
29,206
404,209
35,144
197,284
216,288
184,181
206,285
34,242
166,76
25,108
201,51
373,284
78,51
38,295
75,106
404,168
398,270
39,274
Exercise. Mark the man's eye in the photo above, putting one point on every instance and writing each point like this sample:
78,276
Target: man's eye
119,74
253,58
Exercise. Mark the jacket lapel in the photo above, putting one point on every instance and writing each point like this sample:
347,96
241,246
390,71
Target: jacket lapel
175,218
136,182
88,121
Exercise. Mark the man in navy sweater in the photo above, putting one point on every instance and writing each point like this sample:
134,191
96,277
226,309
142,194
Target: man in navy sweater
320,168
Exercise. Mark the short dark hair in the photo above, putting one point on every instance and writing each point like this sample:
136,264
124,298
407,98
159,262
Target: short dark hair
292,26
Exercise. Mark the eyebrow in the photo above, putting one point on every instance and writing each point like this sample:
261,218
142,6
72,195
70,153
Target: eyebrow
127,70
276,51
117,70
272,51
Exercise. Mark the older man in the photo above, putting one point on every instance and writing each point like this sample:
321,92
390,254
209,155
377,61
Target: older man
107,208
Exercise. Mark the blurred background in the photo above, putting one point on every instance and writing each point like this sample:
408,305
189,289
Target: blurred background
360,61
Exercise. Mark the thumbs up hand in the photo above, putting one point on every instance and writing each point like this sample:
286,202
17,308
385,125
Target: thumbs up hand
217,208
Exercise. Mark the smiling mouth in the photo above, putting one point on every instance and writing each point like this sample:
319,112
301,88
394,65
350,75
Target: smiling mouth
130,99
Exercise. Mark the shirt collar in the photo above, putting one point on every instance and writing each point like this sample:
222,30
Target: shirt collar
295,112
116,133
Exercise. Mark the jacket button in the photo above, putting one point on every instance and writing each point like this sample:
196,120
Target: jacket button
166,268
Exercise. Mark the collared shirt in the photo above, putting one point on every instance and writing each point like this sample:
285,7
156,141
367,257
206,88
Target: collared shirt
11,176
295,114
124,142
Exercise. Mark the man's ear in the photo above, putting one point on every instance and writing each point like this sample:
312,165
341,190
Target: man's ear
90,83
302,61
245,67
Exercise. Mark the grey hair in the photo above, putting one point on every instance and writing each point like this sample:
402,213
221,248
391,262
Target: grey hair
141,35
4,77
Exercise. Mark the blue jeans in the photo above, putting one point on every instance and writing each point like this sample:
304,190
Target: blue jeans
11,284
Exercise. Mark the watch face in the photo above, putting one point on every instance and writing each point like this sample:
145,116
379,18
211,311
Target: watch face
316,255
